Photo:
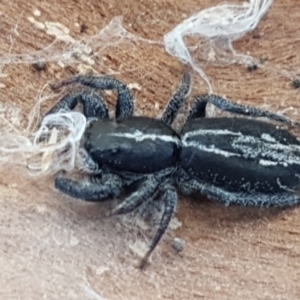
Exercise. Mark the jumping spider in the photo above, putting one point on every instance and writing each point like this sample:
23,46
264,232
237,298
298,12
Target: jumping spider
231,160
120,152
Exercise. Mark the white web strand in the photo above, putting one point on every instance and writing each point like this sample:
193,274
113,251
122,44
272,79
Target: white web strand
53,147
113,34
63,132
221,24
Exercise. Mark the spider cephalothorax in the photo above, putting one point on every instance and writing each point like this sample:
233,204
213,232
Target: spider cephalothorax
239,160
128,149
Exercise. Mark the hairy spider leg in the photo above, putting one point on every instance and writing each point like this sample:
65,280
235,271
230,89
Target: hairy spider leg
198,109
94,106
91,191
177,99
125,102
287,199
88,165
170,199
146,189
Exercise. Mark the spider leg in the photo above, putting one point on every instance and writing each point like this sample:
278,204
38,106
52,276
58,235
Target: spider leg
93,191
177,99
170,198
93,105
225,197
86,164
145,191
125,103
198,109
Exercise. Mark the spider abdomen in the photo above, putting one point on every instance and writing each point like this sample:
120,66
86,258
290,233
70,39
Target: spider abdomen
242,156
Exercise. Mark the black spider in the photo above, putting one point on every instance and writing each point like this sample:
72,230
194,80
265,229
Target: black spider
231,160
126,150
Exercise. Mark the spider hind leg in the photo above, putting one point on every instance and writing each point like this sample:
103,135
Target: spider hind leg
199,107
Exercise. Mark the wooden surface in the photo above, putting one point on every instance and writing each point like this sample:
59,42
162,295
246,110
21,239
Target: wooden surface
53,247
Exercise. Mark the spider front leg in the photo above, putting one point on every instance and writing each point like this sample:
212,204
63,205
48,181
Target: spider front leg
199,107
86,164
95,190
177,99
93,105
125,103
